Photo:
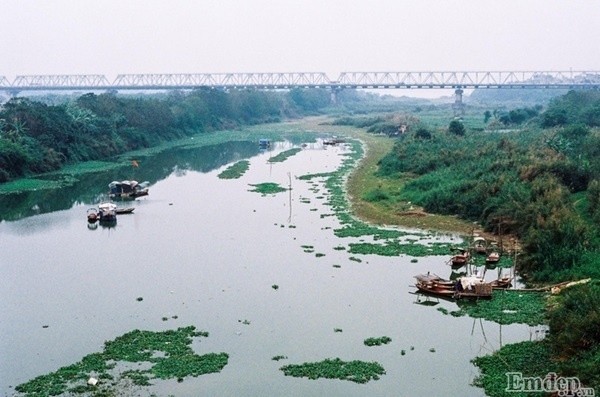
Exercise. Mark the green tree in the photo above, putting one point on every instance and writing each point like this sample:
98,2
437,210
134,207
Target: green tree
456,128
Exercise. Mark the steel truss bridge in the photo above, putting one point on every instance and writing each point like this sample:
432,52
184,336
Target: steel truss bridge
346,80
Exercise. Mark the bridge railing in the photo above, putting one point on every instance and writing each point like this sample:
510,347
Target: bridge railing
473,79
60,81
260,80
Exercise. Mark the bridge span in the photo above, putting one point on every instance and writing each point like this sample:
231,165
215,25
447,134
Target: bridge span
347,80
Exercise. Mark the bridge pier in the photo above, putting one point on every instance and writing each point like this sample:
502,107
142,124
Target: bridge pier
334,95
458,106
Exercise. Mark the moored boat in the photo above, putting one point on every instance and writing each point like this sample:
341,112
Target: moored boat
461,258
127,189
480,245
93,215
107,212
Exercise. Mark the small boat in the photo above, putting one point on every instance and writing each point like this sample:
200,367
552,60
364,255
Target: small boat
92,215
264,143
128,210
501,283
492,258
480,245
435,285
473,287
127,189
107,212
461,258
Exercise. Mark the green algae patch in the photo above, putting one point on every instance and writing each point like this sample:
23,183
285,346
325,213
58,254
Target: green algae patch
281,157
392,248
507,307
235,171
267,188
384,340
532,359
32,184
353,371
168,355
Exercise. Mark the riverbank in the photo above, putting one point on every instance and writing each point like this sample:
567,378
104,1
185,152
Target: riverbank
363,181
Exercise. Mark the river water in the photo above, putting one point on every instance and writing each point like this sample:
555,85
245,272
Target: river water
208,251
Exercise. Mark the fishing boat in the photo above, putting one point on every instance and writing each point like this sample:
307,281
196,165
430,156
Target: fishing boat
432,284
107,212
471,287
93,215
501,283
127,210
461,258
493,258
127,189
480,245
474,287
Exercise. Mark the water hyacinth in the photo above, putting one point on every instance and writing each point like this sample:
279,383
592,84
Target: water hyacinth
354,371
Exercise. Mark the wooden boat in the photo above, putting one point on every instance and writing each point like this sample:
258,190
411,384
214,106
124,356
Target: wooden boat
108,212
128,210
93,215
501,283
127,189
473,287
480,245
434,290
492,258
460,259
435,285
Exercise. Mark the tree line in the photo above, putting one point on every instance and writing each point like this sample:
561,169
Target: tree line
36,137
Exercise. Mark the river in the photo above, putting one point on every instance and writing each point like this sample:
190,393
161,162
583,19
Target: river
205,251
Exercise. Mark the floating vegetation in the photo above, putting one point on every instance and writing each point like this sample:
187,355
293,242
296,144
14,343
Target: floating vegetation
277,358
532,359
432,350
292,226
355,259
337,330
29,184
309,251
319,255
339,248
245,322
236,170
337,266
165,318
139,299
354,371
352,227
168,352
414,260
395,248
284,155
307,246
506,307
267,188
384,340
275,287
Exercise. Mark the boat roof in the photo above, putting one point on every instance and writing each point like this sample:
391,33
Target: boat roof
478,239
107,206
117,183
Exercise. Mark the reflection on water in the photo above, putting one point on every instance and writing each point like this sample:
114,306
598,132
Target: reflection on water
206,252
93,188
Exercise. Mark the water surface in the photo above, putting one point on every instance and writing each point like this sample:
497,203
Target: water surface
208,251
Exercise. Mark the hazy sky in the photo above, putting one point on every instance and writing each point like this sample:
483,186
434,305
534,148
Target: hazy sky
196,36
